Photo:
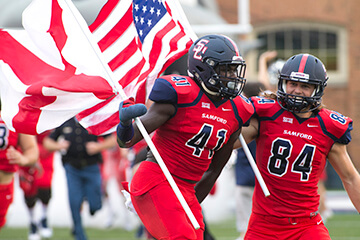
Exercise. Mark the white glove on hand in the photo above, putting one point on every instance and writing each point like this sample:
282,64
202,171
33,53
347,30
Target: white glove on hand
128,202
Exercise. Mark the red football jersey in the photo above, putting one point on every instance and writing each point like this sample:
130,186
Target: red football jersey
200,127
7,139
291,155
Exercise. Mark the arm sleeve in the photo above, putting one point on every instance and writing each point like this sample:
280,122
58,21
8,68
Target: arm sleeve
346,138
163,92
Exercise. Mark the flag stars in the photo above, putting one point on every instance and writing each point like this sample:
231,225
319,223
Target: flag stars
146,15
152,10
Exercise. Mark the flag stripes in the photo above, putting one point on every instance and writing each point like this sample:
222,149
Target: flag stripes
135,63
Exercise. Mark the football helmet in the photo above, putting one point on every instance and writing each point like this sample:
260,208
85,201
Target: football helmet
215,62
303,68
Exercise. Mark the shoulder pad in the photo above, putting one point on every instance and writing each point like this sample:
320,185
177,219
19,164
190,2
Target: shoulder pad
174,89
244,109
262,106
336,125
163,92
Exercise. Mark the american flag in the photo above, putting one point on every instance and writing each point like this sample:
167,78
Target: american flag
48,73
139,40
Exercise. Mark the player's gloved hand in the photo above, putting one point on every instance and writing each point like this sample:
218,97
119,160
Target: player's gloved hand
128,202
128,110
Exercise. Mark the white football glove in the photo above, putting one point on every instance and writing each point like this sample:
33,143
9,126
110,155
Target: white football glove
128,202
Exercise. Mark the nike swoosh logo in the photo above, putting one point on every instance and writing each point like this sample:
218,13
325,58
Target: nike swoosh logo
309,125
226,109
319,222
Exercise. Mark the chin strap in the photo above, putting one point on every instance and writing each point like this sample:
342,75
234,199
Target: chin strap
209,91
197,77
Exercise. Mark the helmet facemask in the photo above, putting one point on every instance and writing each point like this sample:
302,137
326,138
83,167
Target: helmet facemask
296,103
227,78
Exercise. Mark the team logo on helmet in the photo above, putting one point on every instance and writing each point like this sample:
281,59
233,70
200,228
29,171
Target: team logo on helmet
299,76
200,48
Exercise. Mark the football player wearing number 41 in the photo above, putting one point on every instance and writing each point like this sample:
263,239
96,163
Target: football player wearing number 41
193,131
295,135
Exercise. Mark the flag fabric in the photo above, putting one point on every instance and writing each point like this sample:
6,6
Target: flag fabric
139,39
47,73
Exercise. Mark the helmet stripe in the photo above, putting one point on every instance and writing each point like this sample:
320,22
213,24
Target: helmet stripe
303,63
234,44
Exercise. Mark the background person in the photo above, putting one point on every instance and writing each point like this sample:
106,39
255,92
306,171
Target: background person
116,165
16,150
35,181
81,156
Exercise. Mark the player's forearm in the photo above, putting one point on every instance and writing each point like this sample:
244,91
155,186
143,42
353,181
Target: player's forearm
352,187
51,145
204,186
108,142
29,157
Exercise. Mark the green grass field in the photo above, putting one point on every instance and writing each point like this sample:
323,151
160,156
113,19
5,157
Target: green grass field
341,227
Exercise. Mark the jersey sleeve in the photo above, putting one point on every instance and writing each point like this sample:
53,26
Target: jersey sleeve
336,125
262,106
174,89
163,92
245,109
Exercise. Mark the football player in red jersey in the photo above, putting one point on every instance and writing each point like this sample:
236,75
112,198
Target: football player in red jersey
195,119
36,181
295,135
10,159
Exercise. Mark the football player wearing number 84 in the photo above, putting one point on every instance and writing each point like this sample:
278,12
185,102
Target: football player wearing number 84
195,119
295,134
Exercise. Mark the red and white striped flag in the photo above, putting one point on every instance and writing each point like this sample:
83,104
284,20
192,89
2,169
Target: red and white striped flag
47,73
138,39
50,72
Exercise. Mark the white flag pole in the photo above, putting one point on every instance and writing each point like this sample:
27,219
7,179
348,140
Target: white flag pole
253,166
81,22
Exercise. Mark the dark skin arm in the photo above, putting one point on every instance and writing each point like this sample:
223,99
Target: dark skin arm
156,116
249,133
218,162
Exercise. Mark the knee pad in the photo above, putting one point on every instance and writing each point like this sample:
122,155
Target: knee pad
44,195
30,201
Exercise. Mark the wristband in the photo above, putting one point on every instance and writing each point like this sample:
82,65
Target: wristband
125,133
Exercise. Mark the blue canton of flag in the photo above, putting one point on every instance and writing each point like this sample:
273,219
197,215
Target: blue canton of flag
146,14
